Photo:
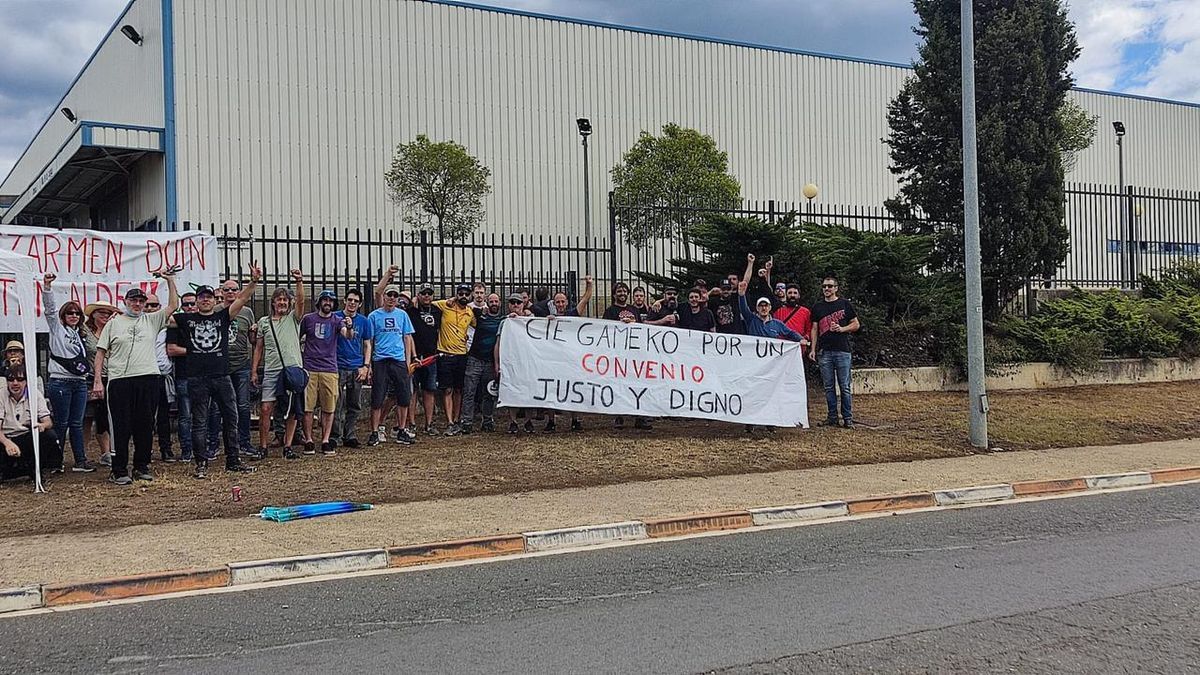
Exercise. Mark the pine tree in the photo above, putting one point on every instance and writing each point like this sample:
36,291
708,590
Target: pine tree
1023,50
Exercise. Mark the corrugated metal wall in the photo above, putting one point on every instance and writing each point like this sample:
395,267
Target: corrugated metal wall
288,112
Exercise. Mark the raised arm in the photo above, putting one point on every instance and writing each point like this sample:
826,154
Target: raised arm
749,271
168,275
586,298
50,306
384,280
743,307
301,301
247,291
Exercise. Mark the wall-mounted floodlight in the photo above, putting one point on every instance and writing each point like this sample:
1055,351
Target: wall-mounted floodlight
68,114
131,33
1119,127
585,126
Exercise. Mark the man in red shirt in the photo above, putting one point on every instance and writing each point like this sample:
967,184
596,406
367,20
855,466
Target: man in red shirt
793,314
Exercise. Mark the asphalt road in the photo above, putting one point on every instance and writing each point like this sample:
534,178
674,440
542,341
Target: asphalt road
1106,583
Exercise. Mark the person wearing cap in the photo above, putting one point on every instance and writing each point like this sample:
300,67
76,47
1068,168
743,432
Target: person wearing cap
426,319
352,370
240,346
14,353
205,336
177,353
16,427
320,331
277,346
457,319
127,345
96,316
759,321
387,347
723,303
481,370
69,368
833,320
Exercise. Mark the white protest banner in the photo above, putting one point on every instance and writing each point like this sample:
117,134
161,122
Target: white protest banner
94,266
597,366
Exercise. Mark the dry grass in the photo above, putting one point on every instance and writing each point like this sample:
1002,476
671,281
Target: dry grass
898,427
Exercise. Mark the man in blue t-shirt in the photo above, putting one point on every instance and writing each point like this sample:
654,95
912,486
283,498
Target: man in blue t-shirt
352,369
386,350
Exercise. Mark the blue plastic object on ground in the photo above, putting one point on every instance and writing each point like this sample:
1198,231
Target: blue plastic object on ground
282,514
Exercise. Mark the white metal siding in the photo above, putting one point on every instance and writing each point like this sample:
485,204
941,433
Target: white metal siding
122,85
288,112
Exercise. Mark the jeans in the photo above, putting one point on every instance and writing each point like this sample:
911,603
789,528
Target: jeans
349,407
162,417
479,373
68,401
209,390
836,366
183,409
241,390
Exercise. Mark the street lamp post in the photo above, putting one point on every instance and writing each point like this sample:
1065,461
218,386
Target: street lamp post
810,193
1126,226
976,383
585,130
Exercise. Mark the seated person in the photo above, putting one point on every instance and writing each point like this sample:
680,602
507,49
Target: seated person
15,425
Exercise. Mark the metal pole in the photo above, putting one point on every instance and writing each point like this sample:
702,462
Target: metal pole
975,367
1127,268
587,213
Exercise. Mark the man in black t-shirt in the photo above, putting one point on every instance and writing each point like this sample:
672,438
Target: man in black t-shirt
833,319
205,336
620,309
696,316
177,352
723,303
427,322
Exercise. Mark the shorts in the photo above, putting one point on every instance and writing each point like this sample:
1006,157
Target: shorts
268,385
452,371
321,392
426,378
389,376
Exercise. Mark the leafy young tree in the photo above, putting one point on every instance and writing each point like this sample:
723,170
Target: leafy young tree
1023,50
1079,129
680,170
440,184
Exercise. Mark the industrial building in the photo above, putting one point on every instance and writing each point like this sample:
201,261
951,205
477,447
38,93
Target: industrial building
265,112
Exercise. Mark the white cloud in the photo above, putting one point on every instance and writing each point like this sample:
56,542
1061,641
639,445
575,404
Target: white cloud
1175,74
1104,28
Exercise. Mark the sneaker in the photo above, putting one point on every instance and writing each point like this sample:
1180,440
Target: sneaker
403,439
848,424
250,454
513,428
351,443
529,426
576,425
120,480
201,470
487,426
373,439
431,430
464,429
289,453
185,457
310,448
453,430
83,467
403,435
550,427
643,424
168,457
327,449
106,459
240,468
143,474
56,470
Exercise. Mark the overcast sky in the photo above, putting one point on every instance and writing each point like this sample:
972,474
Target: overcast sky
1149,47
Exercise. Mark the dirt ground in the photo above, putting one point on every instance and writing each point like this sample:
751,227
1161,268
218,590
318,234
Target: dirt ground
893,427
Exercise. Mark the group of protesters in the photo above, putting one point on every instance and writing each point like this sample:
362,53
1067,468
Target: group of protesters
116,374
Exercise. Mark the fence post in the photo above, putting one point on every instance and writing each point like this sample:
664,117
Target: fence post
612,242
771,211
424,257
1134,248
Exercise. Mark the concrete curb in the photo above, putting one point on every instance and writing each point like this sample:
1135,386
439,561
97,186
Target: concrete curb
306,566
240,573
588,535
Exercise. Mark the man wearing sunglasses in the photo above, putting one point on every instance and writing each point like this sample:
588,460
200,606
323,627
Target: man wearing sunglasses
426,319
387,347
834,319
177,352
458,318
17,458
